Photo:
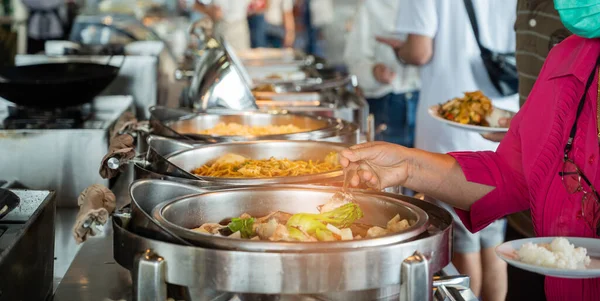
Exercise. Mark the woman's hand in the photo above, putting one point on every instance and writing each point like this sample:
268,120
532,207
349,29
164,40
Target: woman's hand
383,74
497,137
380,164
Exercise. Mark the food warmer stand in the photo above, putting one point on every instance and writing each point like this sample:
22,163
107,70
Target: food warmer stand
124,265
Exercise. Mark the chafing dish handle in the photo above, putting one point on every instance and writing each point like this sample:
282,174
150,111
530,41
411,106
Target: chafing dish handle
453,288
122,147
120,151
148,277
415,279
96,203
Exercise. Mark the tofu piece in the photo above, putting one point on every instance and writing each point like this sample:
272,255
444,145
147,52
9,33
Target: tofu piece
346,234
376,232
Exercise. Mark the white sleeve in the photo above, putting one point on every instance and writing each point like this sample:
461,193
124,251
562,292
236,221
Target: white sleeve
417,17
287,5
358,54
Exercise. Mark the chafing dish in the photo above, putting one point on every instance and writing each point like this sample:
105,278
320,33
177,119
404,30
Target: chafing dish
306,85
182,215
155,165
218,79
109,28
185,125
190,159
313,127
176,159
217,83
274,56
145,196
396,271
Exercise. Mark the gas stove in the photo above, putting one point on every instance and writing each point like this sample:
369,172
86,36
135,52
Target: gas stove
27,246
63,118
58,150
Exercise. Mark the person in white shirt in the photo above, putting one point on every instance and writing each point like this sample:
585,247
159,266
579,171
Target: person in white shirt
440,38
230,18
280,29
47,21
391,88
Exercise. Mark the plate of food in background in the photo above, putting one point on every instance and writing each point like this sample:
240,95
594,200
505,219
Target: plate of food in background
473,112
561,257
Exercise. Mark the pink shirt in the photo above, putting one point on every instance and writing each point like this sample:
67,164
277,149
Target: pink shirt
525,167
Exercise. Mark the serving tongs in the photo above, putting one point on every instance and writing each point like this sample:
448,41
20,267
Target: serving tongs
345,196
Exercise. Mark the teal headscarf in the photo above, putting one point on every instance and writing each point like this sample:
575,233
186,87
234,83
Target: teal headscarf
581,17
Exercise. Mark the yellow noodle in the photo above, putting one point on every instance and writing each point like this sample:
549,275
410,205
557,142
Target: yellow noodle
236,129
268,168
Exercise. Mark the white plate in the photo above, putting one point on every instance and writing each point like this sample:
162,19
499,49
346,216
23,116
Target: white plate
508,252
493,119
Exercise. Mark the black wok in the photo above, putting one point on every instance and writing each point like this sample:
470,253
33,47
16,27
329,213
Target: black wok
55,85
8,201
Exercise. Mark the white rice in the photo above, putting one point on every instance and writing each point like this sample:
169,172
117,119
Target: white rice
558,254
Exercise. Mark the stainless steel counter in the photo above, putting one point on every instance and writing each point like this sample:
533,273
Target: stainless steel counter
65,248
71,259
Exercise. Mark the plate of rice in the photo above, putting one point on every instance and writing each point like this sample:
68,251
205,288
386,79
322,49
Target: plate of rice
560,257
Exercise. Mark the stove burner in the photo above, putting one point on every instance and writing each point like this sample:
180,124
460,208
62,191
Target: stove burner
31,118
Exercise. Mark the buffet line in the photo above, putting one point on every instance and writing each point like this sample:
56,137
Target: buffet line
232,192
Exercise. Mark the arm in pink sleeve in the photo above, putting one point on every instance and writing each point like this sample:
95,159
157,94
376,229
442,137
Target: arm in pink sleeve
503,170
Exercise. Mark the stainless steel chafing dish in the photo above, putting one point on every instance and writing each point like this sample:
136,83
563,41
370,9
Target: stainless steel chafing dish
182,215
374,270
187,160
216,77
156,164
177,159
275,56
185,125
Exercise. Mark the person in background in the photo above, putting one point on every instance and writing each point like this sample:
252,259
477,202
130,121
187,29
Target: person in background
313,15
230,19
391,88
538,29
257,23
8,37
47,21
192,9
441,40
280,27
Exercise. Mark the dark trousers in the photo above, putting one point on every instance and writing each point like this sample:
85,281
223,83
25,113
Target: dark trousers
312,33
395,116
258,31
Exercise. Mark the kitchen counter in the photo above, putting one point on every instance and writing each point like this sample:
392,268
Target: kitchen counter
72,260
65,248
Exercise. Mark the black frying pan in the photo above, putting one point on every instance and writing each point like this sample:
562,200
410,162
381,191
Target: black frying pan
55,85
8,202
